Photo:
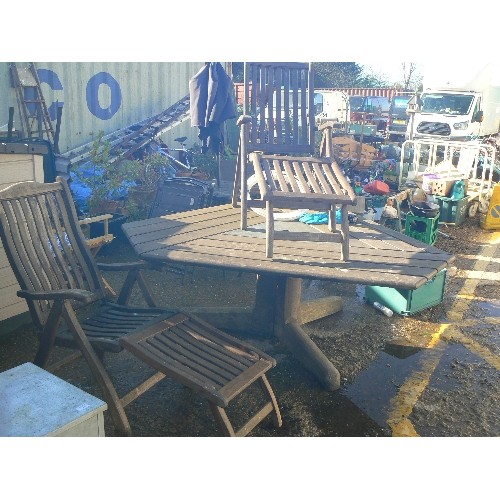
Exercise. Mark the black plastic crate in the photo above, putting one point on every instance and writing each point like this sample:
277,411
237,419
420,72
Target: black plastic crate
181,194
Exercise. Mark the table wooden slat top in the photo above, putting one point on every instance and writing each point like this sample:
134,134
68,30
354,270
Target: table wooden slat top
211,237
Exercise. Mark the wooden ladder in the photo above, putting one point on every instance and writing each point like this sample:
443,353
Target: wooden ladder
35,116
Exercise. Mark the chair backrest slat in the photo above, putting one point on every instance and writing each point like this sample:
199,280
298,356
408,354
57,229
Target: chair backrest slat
37,247
51,242
44,243
279,97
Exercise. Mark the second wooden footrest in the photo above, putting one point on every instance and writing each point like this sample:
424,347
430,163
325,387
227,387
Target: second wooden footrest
210,362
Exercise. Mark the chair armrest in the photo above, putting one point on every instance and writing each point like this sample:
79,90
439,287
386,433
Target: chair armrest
83,296
97,218
325,125
243,119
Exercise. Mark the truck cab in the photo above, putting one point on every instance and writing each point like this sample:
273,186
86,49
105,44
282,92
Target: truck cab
449,115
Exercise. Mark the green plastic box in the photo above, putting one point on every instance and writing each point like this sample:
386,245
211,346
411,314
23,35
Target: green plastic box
424,229
406,302
454,211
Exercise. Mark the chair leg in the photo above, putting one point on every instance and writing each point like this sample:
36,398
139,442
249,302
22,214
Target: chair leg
110,395
344,229
48,335
271,406
269,229
266,387
237,179
332,218
222,420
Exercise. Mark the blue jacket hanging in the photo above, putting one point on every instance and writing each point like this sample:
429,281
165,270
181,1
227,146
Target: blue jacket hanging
211,97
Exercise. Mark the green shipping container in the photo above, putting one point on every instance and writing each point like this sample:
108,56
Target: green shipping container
406,302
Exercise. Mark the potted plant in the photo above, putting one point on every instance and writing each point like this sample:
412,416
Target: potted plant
100,184
98,187
146,174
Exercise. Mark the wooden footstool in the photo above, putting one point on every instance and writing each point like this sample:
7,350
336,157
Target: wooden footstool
210,362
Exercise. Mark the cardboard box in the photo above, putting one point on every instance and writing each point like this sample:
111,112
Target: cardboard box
444,186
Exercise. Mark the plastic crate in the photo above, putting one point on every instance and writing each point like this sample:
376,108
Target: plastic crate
454,211
422,228
406,302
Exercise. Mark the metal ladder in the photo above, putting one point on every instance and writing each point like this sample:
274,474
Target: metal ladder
126,141
35,118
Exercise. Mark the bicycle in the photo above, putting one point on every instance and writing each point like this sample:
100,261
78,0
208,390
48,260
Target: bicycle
173,167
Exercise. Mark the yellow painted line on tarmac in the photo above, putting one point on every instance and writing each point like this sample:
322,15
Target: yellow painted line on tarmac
495,260
409,393
481,351
481,275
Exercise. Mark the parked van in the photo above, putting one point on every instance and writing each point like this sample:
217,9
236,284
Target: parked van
332,106
459,107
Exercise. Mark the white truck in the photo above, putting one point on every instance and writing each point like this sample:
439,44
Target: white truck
460,107
332,105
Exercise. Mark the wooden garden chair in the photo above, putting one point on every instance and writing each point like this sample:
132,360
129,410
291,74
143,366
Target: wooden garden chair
63,287
276,97
291,182
277,138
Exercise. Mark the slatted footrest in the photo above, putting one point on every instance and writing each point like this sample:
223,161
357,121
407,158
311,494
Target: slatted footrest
210,362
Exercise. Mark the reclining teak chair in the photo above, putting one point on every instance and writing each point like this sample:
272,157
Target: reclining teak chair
62,285
277,134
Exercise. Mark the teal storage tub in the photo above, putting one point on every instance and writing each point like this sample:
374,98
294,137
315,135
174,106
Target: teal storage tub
407,302
453,211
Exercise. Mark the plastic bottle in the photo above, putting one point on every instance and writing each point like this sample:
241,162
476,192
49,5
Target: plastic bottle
382,308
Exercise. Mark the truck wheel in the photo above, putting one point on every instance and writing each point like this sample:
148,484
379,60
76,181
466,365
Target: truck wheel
472,210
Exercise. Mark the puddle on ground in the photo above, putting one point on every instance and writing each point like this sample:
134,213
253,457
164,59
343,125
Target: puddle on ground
461,398
490,308
374,388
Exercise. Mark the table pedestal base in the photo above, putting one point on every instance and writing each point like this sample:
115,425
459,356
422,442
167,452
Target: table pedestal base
279,311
